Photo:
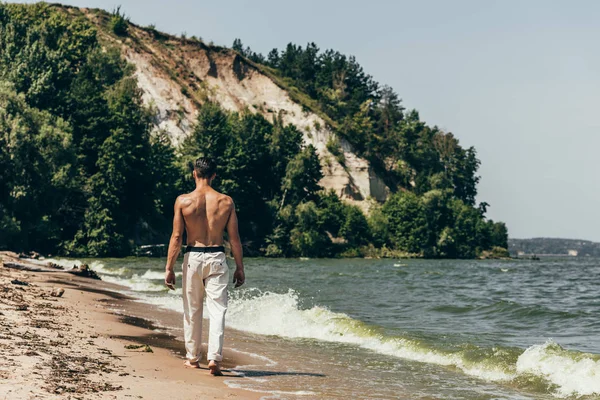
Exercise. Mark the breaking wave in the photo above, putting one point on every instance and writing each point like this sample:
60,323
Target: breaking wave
562,372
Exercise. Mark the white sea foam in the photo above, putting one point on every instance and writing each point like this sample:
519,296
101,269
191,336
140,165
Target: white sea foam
145,288
268,361
236,385
279,314
103,270
575,374
156,275
136,283
171,300
145,282
270,313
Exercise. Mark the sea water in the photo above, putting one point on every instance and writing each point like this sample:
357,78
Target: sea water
384,329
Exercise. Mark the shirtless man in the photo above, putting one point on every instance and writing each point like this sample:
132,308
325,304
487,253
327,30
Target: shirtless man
205,214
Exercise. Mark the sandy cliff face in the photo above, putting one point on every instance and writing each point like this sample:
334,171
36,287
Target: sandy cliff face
177,76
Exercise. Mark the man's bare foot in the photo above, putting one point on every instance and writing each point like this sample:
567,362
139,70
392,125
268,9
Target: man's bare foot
189,364
215,369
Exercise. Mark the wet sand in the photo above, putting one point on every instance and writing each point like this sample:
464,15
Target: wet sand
92,343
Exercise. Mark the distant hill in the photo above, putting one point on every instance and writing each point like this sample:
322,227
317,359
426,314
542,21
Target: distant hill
554,246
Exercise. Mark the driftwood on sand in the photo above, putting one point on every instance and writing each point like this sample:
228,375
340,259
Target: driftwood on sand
12,260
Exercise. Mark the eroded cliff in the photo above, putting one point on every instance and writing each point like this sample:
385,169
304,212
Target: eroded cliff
178,75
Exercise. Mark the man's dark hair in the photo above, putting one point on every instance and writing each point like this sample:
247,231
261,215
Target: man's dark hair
205,167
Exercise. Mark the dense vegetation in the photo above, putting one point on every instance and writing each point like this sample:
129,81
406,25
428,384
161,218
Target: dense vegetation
78,163
406,152
83,173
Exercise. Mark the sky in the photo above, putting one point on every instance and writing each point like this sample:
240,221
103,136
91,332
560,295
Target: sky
518,80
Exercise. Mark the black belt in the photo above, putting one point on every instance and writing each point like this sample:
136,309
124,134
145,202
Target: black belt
206,249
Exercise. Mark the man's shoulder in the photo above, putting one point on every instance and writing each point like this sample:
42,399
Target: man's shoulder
184,199
225,200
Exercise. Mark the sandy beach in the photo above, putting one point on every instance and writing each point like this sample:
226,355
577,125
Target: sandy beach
77,347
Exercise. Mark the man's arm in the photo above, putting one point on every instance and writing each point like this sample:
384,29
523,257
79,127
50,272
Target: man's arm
236,247
174,245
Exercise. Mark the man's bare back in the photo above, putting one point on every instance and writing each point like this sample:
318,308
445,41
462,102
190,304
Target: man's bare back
206,213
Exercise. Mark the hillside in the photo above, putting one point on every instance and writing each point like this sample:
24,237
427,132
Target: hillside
178,75
320,158
554,246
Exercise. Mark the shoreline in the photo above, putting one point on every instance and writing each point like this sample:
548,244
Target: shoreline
278,344
74,346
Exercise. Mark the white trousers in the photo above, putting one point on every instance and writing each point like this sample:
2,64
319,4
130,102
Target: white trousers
204,274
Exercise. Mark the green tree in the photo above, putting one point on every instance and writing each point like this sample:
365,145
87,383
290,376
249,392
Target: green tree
332,212
462,239
458,167
355,228
306,239
38,180
379,226
164,176
273,58
118,22
439,215
407,222
277,243
86,104
285,142
390,111
121,194
211,138
405,151
41,50
237,45
499,234
301,181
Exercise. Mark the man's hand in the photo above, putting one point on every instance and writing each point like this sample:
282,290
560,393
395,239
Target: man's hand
170,279
239,277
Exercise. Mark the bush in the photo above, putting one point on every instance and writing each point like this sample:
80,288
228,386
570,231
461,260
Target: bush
35,147
333,145
371,251
306,239
351,253
307,243
331,212
494,254
407,222
378,225
118,22
355,228
273,251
